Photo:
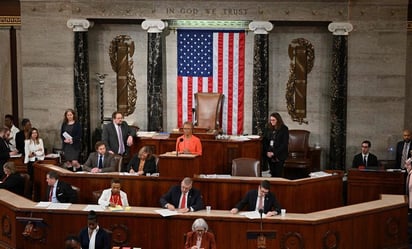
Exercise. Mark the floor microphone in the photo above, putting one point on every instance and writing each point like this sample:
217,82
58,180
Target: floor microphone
177,146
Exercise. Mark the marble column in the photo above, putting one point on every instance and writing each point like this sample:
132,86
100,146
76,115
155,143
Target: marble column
154,73
81,80
338,93
260,75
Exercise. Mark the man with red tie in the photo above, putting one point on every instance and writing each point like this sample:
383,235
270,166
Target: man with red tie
59,191
182,198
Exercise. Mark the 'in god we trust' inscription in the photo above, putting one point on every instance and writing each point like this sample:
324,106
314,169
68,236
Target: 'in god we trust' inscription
207,11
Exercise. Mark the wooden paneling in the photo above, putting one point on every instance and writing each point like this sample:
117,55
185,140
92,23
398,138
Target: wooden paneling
217,154
303,195
377,224
368,185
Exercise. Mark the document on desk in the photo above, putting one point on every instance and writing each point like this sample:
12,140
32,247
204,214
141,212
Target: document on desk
59,206
252,214
16,156
94,207
166,212
43,204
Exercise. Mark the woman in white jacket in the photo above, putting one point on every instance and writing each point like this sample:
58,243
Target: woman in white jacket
33,150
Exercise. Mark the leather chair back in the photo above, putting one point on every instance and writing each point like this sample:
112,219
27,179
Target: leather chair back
27,192
298,144
119,162
244,166
208,110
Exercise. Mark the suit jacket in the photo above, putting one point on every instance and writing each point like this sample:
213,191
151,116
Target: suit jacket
64,193
194,198
358,160
109,163
148,167
102,241
109,136
104,199
280,142
4,155
14,183
208,240
399,150
269,204
20,141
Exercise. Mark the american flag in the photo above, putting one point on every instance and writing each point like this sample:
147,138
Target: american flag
211,61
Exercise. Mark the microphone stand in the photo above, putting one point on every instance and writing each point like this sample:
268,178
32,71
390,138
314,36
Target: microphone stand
177,146
261,239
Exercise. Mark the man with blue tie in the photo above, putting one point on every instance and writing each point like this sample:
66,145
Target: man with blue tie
100,161
118,135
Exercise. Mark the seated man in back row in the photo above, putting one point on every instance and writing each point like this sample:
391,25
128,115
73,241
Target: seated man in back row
365,158
101,160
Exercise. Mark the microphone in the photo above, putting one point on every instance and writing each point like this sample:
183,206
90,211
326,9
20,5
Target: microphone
261,218
177,146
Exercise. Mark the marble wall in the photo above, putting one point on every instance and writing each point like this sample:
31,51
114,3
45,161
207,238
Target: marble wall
376,66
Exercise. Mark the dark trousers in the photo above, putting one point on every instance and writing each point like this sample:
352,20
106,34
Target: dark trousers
276,168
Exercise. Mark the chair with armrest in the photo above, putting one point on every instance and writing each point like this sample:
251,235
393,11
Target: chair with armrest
244,166
298,164
208,110
27,185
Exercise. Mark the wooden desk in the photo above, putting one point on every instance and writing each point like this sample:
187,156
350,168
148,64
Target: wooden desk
217,155
367,185
376,224
182,165
303,195
22,167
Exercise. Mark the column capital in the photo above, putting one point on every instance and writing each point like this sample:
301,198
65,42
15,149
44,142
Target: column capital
340,28
154,25
79,25
260,27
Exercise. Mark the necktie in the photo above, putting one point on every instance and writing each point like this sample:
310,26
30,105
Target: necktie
364,160
183,202
260,206
120,138
51,193
100,164
404,155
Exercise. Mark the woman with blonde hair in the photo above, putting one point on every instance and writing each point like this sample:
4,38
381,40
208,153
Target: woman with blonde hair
12,181
142,163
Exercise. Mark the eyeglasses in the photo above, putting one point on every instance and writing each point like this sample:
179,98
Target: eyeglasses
365,146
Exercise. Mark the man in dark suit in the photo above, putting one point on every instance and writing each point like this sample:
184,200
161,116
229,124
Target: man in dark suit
182,198
365,158
259,199
118,131
403,149
58,191
100,161
94,236
5,151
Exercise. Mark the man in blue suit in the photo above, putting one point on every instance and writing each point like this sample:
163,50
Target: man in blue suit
182,198
259,199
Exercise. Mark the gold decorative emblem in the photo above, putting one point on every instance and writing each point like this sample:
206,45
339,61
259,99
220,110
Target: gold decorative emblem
302,56
121,51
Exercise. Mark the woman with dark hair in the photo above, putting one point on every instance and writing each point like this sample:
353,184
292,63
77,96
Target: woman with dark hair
275,144
71,133
33,150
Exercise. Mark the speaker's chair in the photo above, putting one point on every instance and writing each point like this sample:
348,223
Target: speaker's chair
208,110
298,164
